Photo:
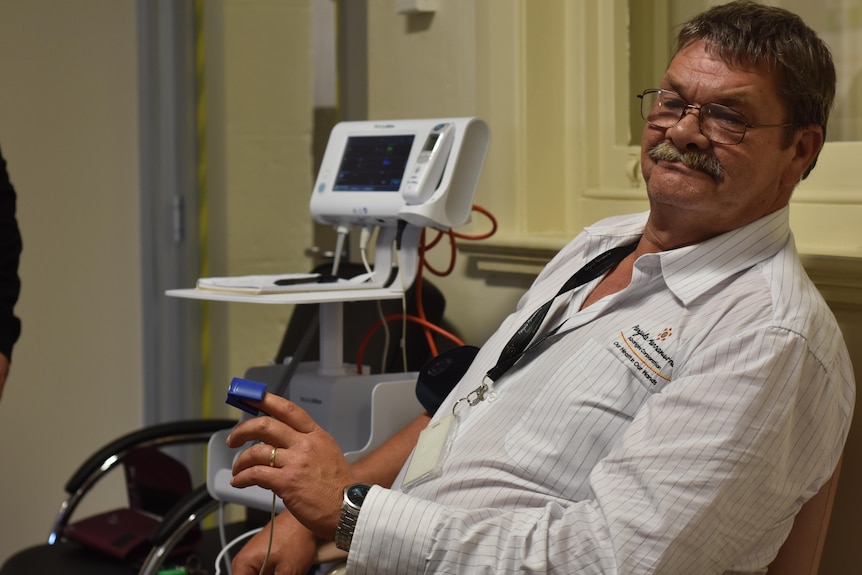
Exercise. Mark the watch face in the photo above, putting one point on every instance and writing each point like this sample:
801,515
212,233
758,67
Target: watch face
356,493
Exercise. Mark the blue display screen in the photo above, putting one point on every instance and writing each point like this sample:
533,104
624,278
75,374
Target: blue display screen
373,163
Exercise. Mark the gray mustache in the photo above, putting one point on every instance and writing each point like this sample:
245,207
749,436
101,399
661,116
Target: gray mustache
694,160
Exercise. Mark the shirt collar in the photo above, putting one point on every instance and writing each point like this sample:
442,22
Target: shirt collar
692,270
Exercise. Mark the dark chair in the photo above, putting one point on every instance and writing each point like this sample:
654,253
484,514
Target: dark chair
118,541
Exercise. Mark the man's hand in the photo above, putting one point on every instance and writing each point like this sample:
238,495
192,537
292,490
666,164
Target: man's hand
297,460
293,549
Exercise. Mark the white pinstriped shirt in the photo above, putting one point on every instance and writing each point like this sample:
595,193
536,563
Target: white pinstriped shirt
674,427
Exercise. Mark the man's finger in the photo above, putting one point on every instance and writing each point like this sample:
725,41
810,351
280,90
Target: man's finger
265,429
255,475
287,412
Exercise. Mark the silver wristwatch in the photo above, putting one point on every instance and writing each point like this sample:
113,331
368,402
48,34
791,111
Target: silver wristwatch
354,495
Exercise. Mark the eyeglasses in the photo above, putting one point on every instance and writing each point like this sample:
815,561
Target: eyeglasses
718,123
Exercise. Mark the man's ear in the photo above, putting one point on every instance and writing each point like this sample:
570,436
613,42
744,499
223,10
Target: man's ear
807,145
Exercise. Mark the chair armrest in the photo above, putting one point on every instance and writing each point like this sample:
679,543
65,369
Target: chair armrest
110,455
163,434
801,552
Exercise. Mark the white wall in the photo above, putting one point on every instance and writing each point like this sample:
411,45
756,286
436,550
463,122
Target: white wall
68,129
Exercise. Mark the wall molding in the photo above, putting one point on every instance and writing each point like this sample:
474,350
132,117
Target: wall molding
495,259
838,278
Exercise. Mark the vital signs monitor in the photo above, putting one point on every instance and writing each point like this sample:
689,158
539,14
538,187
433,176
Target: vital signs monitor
423,172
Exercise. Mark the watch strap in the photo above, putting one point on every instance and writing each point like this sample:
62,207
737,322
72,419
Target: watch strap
349,516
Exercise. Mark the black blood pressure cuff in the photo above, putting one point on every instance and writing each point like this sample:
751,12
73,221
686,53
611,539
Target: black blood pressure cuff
440,375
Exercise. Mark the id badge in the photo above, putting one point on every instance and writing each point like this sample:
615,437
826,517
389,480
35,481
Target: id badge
430,452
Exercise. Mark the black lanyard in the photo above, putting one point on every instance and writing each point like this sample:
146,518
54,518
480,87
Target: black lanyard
519,343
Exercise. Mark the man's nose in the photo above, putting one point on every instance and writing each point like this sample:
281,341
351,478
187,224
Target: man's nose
687,133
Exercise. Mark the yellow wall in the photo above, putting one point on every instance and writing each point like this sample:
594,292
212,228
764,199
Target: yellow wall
68,128
259,141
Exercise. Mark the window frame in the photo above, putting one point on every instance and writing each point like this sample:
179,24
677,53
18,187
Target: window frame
569,160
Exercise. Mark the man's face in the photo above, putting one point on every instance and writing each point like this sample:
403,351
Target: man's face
757,175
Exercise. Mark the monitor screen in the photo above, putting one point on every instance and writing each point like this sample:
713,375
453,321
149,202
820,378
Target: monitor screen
373,163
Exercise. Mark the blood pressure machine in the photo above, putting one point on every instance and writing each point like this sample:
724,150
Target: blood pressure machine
418,173
397,177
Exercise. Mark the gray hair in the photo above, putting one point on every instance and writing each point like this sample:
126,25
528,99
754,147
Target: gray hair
747,32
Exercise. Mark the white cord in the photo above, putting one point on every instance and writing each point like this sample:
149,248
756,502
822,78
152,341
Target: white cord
339,247
223,536
223,553
227,547
364,238
403,310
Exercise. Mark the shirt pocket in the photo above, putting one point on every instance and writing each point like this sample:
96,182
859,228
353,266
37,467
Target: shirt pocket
577,413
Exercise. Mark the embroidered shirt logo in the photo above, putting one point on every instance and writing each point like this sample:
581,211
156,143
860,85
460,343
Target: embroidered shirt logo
648,356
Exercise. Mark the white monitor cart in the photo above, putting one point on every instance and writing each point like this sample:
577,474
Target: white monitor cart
360,411
431,171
